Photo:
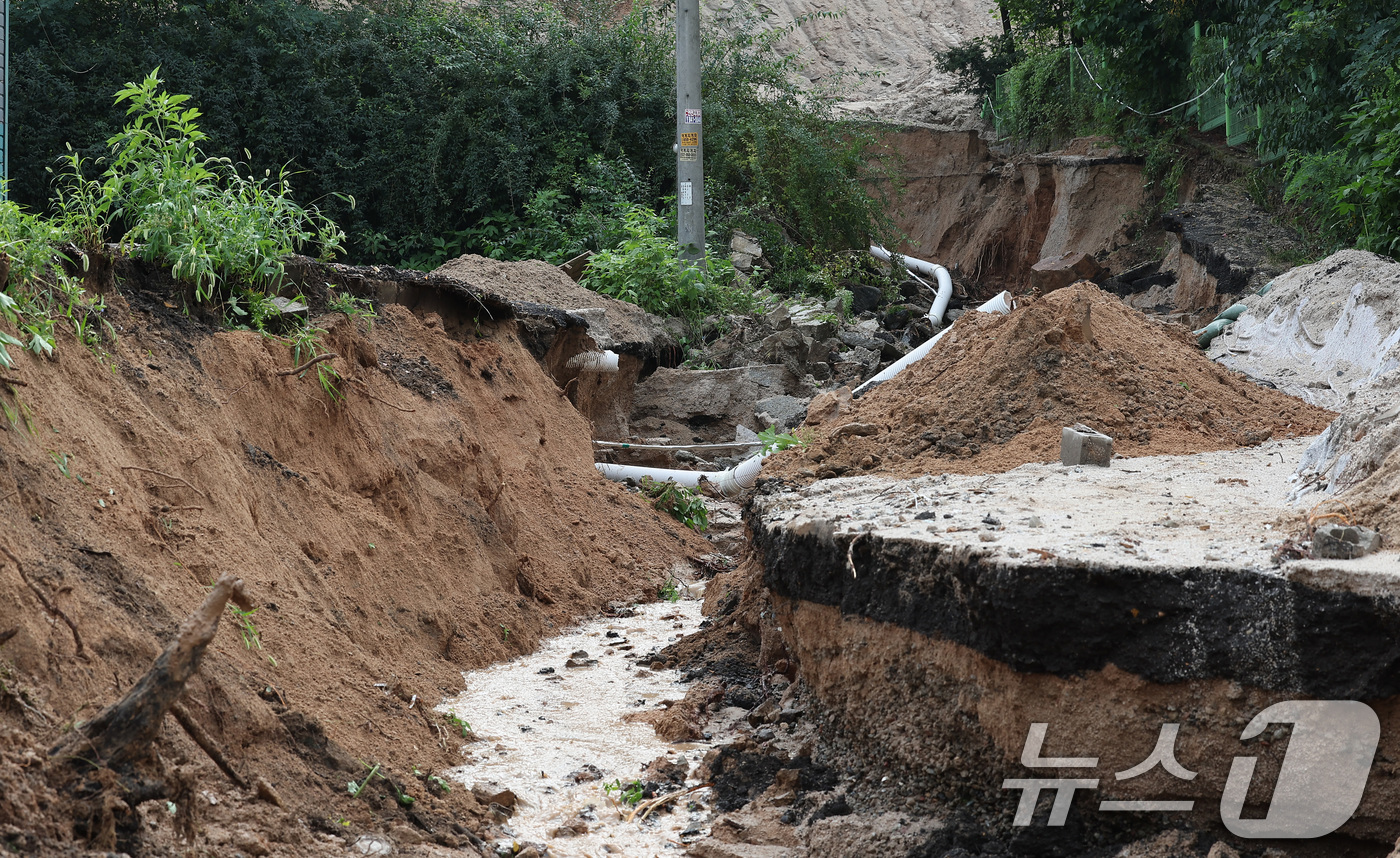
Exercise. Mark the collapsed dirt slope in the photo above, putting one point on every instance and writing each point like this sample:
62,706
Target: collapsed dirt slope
997,391
444,515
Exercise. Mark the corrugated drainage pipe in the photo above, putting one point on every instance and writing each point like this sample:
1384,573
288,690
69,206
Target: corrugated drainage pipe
1000,304
594,361
730,483
928,269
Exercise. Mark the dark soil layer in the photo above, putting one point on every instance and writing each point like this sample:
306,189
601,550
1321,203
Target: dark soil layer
1258,629
443,515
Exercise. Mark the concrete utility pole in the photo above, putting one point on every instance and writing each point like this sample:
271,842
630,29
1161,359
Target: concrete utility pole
690,162
5,101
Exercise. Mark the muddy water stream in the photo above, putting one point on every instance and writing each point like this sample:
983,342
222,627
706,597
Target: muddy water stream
543,729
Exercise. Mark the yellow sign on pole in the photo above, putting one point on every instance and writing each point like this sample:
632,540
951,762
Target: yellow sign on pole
690,138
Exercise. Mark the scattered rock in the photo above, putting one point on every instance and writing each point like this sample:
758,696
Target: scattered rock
373,844
1344,541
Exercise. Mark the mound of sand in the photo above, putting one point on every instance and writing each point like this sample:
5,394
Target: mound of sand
997,391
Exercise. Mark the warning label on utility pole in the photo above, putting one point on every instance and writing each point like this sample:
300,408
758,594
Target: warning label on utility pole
687,195
690,138
689,153
692,116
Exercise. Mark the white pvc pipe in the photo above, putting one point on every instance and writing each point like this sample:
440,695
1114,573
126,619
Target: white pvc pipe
1000,304
594,361
730,482
928,269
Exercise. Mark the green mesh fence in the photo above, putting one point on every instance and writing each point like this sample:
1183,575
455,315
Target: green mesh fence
1214,108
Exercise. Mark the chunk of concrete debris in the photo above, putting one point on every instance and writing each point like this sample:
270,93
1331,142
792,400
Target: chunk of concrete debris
1080,445
1057,272
1344,541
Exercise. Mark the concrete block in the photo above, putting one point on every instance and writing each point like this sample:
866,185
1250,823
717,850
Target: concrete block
1080,445
1344,542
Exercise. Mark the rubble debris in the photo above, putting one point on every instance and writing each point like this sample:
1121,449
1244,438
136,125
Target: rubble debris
1080,445
1336,541
997,390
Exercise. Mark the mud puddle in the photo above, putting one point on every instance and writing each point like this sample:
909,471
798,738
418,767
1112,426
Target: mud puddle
555,736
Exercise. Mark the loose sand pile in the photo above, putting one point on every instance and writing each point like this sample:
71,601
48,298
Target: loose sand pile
997,391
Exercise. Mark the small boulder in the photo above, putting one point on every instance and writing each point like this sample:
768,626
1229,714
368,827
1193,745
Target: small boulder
1057,272
864,298
1344,541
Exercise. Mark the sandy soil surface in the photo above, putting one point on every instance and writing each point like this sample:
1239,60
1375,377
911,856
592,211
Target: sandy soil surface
444,515
997,390
878,55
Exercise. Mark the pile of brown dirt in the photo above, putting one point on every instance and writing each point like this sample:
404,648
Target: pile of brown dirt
997,391
444,515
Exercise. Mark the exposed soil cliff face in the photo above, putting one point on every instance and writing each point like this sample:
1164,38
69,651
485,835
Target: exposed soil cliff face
445,514
990,217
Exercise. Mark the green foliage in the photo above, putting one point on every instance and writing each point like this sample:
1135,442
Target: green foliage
1351,194
773,440
978,62
630,792
1312,62
671,590
1372,197
197,214
1045,110
356,788
252,638
353,308
508,129
645,269
681,503
305,342
460,725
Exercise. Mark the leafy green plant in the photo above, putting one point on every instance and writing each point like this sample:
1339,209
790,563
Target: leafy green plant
773,440
211,223
671,590
61,460
459,724
350,306
433,781
629,793
512,130
357,788
681,503
306,344
645,269
505,633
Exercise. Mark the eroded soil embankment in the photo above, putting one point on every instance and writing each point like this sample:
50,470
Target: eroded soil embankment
444,515
957,656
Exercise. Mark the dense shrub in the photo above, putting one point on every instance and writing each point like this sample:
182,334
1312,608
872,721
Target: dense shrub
509,129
